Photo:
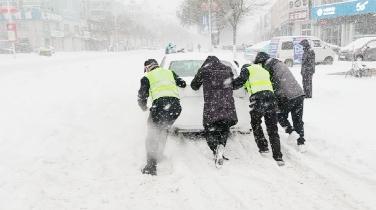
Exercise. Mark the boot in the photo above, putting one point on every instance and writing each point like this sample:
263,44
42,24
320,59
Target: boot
150,168
263,146
280,161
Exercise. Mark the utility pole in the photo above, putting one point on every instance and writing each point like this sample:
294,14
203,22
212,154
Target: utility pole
210,26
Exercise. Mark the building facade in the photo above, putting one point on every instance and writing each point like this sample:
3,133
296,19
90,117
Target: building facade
291,17
342,21
46,23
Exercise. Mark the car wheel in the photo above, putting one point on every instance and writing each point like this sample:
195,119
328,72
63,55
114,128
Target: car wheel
289,63
328,60
359,58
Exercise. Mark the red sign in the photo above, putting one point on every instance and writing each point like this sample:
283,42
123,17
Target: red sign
12,31
11,27
4,9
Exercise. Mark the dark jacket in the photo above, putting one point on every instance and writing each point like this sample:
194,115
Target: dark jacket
216,79
308,60
143,92
284,83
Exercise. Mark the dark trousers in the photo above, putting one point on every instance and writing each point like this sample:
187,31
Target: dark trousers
163,114
307,84
263,105
217,134
295,107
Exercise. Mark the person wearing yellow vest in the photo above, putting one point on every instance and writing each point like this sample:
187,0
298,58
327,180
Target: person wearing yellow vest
161,85
257,82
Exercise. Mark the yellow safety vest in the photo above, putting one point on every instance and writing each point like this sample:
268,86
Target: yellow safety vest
259,80
162,84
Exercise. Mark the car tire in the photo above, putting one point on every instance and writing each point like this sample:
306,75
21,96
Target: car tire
359,58
328,60
289,63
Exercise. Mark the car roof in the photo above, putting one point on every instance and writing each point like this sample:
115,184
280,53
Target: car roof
197,56
291,37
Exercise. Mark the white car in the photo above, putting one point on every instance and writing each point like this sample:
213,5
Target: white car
288,49
186,66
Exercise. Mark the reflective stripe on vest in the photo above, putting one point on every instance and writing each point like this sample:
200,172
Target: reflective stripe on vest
259,80
162,84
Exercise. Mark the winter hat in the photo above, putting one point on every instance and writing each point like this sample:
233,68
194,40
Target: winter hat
261,58
304,43
150,64
210,60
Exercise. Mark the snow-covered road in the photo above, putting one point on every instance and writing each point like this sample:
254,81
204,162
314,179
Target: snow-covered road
72,137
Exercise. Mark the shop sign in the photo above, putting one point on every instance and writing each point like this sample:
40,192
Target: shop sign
349,8
298,10
12,31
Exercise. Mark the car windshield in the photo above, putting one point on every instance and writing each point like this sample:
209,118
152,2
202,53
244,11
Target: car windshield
189,68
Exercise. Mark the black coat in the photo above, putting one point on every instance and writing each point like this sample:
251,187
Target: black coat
284,83
216,79
308,61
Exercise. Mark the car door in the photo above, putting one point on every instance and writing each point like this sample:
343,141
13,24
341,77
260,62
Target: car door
370,52
319,49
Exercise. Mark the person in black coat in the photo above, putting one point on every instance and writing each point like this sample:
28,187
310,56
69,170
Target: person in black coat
308,67
219,107
163,113
290,96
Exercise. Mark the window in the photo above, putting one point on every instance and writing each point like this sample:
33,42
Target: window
189,68
316,43
287,45
372,44
306,29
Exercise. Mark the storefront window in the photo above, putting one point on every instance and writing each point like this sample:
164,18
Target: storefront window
365,25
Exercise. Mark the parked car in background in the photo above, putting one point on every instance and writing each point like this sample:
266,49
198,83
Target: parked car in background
186,66
251,52
363,49
46,51
288,49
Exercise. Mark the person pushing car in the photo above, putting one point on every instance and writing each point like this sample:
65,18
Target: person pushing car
162,86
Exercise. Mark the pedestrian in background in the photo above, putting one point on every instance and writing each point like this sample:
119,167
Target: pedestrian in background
308,67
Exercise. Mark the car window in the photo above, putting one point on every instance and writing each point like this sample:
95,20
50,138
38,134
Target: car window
372,44
316,43
189,68
287,45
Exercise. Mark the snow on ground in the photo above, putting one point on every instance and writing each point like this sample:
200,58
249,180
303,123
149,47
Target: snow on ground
72,137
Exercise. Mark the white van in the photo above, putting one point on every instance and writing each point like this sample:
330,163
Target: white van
288,49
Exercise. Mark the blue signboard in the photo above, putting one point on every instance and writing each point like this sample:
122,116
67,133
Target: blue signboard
298,50
349,8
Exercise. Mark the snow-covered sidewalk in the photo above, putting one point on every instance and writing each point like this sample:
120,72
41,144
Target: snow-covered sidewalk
72,137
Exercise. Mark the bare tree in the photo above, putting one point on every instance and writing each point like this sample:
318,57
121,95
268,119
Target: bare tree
236,11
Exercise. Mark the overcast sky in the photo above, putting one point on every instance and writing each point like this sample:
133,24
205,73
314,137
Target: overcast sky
166,10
